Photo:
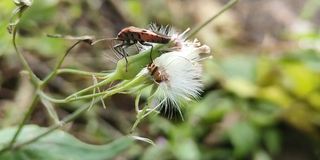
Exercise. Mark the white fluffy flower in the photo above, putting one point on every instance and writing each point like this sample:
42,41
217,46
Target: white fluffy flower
178,74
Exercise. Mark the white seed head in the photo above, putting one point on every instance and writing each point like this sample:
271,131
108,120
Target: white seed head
182,73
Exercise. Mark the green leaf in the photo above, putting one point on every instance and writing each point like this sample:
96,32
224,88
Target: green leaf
158,152
240,67
277,95
208,111
272,141
241,87
299,79
261,155
59,145
186,150
244,137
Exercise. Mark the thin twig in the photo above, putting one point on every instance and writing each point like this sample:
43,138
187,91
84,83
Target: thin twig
80,72
31,107
72,116
119,88
64,121
226,7
111,77
58,65
34,79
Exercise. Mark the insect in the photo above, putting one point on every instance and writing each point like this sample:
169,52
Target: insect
156,73
133,35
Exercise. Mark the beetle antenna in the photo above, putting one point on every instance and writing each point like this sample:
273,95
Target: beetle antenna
103,39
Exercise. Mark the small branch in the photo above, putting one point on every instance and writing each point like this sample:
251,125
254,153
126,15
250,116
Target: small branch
54,100
74,115
13,28
80,72
226,7
58,65
111,77
120,88
73,98
64,121
136,102
40,84
31,107
86,39
34,79
141,113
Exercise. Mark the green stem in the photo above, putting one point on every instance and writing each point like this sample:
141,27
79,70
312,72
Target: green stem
139,118
54,100
136,102
140,114
66,120
34,79
37,82
31,107
76,114
226,7
79,72
135,82
120,87
111,77
74,96
58,65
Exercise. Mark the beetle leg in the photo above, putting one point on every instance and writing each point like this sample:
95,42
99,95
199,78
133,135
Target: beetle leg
137,47
148,44
125,57
123,48
119,48
128,45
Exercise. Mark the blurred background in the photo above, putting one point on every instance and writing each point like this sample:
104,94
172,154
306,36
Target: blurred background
262,87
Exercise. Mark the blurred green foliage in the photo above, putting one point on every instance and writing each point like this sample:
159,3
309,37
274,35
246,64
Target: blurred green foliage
60,146
244,116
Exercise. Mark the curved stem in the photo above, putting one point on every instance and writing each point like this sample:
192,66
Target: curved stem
64,121
80,72
136,102
31,107
226,7
34,79
120,87
76,114
141,113
37,82
111,77
154,109
54,100
58,65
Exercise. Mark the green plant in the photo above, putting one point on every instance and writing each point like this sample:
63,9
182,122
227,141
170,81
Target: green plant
134,80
